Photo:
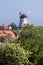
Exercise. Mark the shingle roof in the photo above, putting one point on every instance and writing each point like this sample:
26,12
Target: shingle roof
9,33
23,16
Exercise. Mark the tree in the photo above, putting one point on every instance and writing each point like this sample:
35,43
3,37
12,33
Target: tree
28,50
32,40
13,54
13,25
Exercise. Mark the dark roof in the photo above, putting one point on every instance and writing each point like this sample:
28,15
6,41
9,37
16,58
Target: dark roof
23,16
40,26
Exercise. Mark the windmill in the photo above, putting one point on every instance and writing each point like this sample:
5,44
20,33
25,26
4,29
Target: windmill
23,19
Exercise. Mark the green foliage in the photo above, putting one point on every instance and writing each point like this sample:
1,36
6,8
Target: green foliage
13,54
31,31
1,28
14,27
32,40
28,50
40,61
1,39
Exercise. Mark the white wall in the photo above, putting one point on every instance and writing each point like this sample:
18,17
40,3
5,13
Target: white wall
23,21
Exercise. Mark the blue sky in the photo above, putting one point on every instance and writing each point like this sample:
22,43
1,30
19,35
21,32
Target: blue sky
9,11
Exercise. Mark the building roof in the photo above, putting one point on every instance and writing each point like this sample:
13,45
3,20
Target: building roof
23,16
40,27
10,33
5,27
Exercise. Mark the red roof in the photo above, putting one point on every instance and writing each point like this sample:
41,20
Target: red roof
9,33
5,27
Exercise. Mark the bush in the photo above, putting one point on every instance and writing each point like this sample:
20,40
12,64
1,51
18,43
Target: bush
13,54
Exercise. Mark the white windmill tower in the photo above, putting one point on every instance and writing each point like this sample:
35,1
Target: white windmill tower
23,20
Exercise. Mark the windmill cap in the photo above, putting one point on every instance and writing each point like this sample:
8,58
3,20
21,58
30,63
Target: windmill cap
23,16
